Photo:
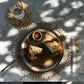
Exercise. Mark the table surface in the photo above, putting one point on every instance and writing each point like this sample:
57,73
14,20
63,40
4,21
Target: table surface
66,14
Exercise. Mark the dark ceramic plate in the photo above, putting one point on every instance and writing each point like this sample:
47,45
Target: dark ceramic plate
38,64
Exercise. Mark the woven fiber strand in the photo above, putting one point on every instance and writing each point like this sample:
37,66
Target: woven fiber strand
66,59
19,22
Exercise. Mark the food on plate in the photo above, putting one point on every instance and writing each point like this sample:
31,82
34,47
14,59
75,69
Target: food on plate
54,46
48,63
34,51
48,37
37,36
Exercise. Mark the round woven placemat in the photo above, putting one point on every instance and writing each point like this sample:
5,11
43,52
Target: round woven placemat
19,22
42,75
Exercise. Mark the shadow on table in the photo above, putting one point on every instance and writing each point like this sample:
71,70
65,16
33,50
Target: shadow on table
66,14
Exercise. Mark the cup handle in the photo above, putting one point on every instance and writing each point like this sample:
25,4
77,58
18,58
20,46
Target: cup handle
77,45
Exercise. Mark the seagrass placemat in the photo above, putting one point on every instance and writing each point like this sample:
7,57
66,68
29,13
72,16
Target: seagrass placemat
66,59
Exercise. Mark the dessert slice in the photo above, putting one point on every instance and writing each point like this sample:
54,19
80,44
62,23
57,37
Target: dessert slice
47,37
34,52
54,46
